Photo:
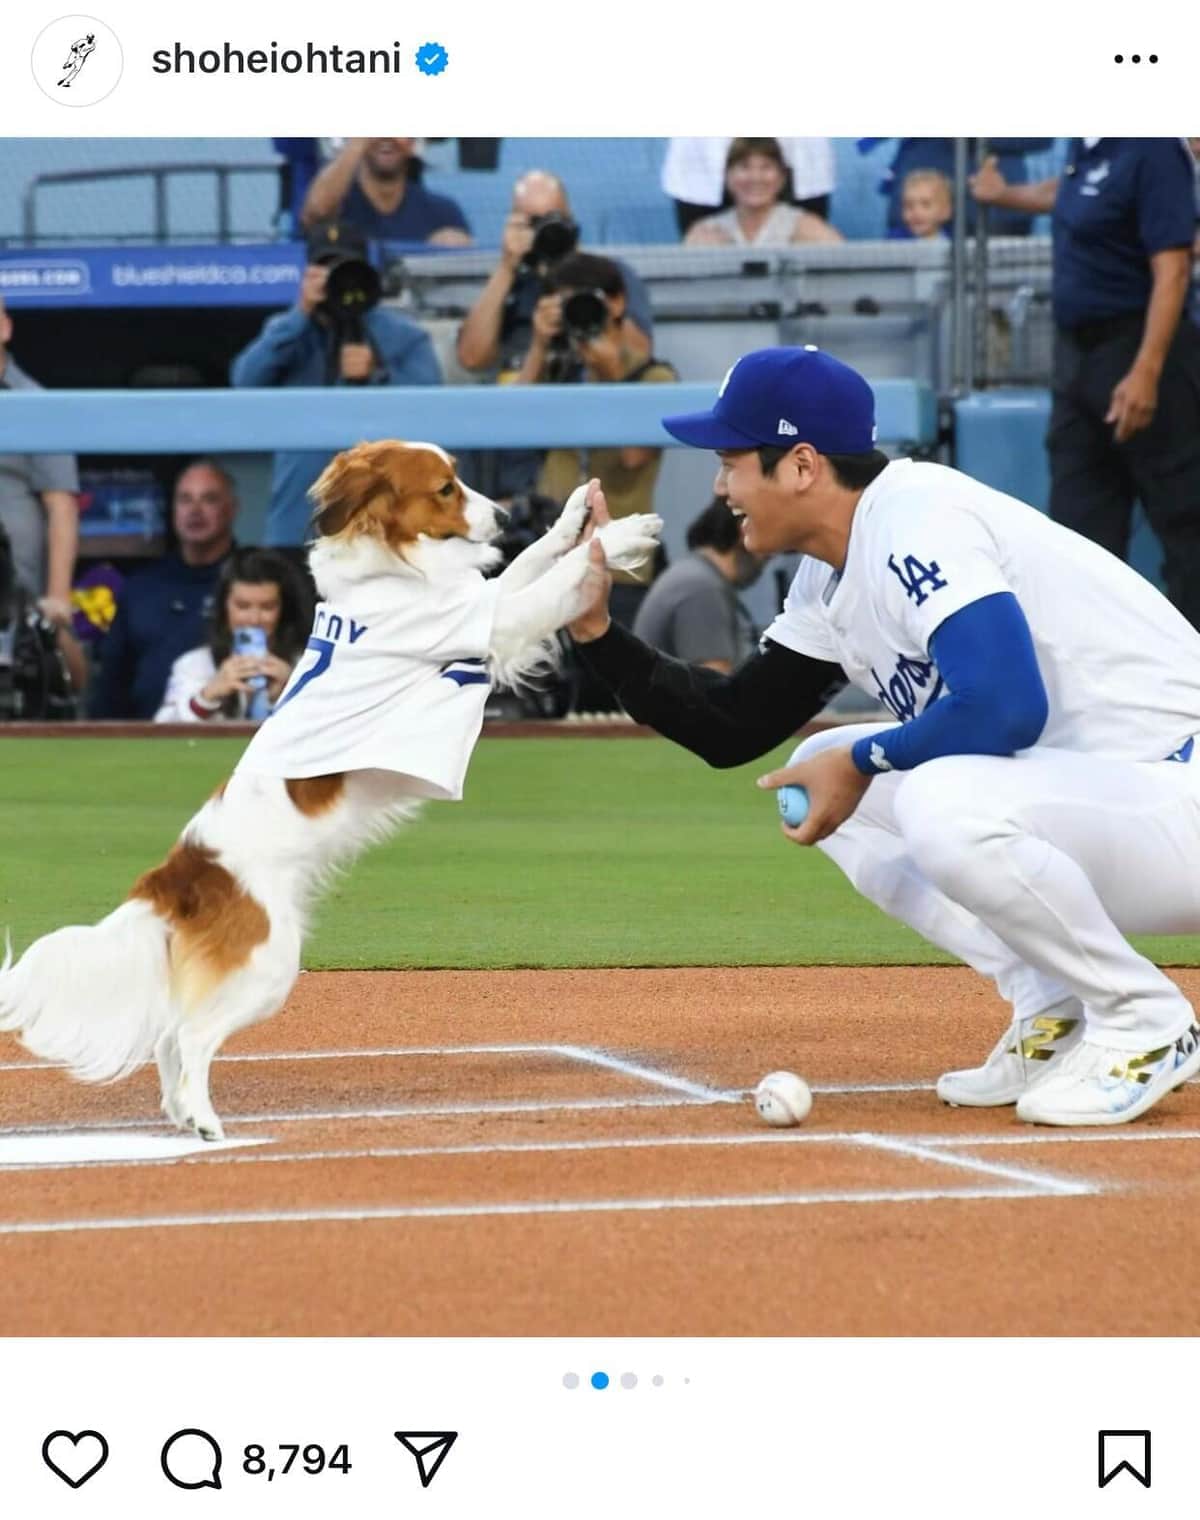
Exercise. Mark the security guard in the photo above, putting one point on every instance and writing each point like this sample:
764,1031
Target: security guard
1125,421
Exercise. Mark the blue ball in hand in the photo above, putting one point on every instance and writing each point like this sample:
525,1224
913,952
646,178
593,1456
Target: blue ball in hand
793,805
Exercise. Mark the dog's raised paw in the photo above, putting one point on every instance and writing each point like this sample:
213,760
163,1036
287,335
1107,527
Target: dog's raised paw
630,541
569,525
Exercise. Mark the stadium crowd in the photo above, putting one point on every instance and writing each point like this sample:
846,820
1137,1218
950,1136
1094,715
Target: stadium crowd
211,631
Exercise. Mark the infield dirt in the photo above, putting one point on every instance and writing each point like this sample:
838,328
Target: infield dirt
410,1186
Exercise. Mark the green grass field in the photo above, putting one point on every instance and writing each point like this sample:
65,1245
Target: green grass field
566,852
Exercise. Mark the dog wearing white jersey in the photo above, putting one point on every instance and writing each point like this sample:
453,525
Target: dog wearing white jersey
383,712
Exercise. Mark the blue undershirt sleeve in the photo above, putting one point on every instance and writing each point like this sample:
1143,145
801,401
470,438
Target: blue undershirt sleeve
995,700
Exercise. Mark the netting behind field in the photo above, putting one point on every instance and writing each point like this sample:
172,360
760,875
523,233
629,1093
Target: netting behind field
1014,328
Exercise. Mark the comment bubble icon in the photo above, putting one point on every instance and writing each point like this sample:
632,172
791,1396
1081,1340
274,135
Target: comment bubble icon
192,1459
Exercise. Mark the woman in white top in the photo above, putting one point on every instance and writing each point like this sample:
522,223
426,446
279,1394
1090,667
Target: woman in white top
756,177
258,589
693,174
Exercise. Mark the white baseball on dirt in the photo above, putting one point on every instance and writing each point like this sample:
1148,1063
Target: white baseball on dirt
783,1099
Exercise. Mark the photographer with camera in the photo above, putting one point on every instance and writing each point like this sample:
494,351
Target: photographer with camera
539,233
581,334
497,333
336,334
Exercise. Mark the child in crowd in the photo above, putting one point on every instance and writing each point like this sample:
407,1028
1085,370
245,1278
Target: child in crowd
927,205
258,589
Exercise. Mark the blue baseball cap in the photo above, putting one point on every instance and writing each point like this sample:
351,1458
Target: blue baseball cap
783,396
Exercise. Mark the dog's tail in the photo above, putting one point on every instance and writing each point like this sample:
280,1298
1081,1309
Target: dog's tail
92,999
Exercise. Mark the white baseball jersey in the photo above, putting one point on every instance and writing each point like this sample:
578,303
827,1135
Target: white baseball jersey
1121,666
390,680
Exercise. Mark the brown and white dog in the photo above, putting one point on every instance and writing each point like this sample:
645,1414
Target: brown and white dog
209,942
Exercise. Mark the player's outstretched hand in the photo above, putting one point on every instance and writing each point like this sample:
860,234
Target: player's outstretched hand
599,515
835,787
592,622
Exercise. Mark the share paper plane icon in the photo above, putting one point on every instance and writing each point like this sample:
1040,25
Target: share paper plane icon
429,1447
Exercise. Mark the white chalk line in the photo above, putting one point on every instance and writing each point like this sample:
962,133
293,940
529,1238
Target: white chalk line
1045,1182
481,1148
381,1053
500,1210
687,1090
609,1062
410,1111
582,1053
1119,1135
919,1146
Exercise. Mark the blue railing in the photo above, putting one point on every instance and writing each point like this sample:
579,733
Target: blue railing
457,417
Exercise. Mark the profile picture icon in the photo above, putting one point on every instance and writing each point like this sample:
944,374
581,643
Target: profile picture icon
81,50
77,60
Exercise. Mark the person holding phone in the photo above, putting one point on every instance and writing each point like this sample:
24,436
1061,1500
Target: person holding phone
262,620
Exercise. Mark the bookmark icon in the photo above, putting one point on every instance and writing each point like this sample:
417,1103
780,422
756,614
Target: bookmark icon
1125,1451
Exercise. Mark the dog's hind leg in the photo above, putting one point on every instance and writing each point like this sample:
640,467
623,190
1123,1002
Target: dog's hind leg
247,998
170,1070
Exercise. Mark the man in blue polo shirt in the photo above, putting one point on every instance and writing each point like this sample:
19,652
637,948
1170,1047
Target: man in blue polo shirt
1125,423
374,185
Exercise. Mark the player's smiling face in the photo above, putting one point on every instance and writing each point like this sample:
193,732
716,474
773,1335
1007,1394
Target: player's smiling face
766,505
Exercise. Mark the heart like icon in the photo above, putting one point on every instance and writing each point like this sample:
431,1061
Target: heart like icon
75,1458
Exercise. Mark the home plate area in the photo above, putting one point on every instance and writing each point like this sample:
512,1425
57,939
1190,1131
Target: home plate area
573,1186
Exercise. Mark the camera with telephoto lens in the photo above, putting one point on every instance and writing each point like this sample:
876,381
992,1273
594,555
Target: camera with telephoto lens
554,237
352,289
353,285
584,315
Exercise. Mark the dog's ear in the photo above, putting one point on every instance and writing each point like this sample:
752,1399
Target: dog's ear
347,487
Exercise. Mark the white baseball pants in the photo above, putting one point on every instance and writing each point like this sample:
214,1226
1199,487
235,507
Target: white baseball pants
1033,869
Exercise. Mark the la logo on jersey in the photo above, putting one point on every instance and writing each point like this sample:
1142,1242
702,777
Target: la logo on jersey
914,575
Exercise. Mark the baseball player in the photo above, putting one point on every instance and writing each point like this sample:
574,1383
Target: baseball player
1037,797
81,50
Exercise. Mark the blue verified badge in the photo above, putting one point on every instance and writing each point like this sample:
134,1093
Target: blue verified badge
432,58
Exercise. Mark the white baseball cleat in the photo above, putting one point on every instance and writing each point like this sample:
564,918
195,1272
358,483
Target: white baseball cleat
1027,1051
1095,1084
